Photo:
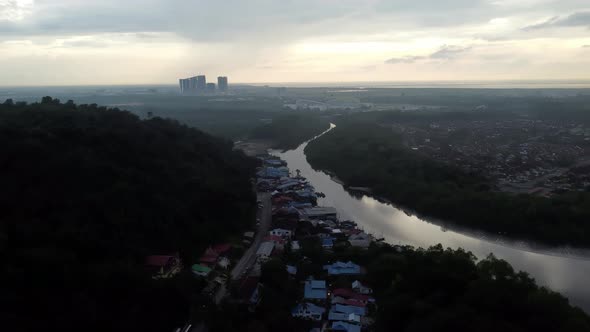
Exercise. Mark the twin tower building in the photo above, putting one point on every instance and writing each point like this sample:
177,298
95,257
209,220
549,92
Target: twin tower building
198,84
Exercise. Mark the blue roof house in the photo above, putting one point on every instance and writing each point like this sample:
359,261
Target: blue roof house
341,326
328,243
349,309
340,268
315,290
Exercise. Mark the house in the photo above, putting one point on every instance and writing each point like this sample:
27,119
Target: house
353,302
292,270
340,316
315,290
328,223
360,240
320,212
340,268
277,240
163,266
347,309
349,294
308,311
328,243
209,257
300,205
281,232
275,162
201,270
222,248
265,249
273,172
358,287
288,185
346,327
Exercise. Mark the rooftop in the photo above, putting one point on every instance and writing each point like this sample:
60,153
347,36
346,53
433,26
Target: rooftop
316,290
320,211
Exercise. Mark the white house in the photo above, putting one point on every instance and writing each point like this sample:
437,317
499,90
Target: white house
281,232
265,249
308,311
360,288
361,240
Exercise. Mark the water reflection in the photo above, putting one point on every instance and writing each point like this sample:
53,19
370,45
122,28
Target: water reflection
550,267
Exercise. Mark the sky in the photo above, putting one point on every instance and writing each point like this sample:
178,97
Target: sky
87,42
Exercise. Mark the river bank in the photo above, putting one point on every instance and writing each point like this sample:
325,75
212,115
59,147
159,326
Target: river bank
551,267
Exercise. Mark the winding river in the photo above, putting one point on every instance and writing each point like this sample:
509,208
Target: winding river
560,269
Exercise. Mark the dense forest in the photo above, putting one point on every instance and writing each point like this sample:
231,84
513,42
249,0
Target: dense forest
289,131
447,290
363,154
87,193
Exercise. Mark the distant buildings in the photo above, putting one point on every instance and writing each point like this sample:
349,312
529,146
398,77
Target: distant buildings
201,83
222,83
198,85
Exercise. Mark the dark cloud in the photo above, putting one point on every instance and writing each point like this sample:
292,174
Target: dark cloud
446,52
231,20
579,19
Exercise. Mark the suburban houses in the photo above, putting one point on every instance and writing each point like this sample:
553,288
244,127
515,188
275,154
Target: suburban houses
332,294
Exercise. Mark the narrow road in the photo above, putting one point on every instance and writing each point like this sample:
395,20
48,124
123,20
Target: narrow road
249,257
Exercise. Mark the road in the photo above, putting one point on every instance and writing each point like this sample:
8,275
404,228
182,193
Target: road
249,258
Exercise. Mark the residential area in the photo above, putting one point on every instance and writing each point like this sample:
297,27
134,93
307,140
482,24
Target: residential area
540,157
294,245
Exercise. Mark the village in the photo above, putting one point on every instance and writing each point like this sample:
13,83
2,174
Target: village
521,156
293,230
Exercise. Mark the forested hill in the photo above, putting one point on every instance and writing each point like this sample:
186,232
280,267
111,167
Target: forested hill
87,193
363,154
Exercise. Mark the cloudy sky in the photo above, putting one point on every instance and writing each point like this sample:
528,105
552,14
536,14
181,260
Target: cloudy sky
62,42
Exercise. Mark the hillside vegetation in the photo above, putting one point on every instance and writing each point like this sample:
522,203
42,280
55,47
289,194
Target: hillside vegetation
87,193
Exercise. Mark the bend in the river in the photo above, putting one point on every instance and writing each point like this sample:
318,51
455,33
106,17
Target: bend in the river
555,268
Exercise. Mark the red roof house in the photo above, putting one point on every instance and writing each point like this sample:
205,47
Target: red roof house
209,257
222,248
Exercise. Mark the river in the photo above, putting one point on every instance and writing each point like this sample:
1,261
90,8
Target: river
560,269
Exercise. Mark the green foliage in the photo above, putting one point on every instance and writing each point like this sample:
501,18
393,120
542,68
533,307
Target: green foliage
446,290
87,193
365,155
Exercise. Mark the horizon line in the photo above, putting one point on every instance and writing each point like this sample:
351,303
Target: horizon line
563,81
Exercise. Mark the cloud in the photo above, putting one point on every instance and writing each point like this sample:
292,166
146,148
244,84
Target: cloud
236,20
405,59
14,10
446,52
578,19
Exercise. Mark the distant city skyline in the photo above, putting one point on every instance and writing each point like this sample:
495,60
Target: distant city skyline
198,84
106,42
